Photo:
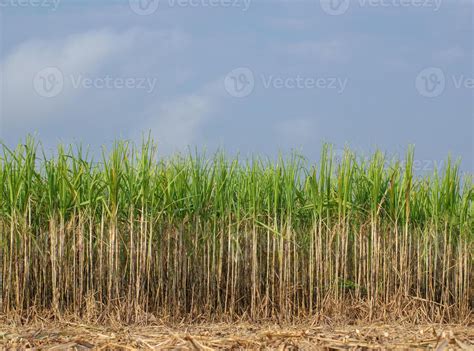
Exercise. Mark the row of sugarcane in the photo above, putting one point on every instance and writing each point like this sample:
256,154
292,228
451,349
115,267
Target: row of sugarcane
130,234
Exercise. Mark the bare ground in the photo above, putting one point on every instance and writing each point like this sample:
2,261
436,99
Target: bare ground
240,336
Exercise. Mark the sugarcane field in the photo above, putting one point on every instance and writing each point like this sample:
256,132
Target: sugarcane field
236,175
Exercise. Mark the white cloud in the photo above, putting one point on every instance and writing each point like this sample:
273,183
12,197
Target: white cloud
289,23
326,51
77,54
121,53
296,132
178,123
450,55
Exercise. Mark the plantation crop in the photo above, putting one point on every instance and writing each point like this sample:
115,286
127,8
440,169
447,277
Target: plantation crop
132,235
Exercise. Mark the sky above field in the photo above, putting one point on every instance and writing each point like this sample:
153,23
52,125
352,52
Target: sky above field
249,76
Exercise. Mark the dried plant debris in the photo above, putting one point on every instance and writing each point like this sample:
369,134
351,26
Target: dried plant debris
76,336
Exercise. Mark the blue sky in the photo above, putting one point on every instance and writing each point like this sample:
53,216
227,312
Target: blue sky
250,76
